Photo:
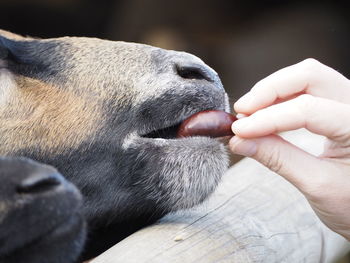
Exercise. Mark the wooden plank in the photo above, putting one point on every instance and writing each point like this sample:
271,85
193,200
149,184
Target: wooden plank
254,216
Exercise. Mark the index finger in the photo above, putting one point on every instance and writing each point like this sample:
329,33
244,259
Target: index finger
318,115
309,77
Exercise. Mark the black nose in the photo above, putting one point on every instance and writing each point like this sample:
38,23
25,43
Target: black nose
39,183
195,71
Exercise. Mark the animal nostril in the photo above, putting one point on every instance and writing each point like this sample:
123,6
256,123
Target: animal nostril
38,184
193,72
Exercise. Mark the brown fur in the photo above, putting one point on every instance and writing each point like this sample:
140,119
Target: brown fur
11,35
63,122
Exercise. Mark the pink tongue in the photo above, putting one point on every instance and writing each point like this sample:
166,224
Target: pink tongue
210,123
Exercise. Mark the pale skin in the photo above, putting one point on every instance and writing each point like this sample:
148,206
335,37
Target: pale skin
305,95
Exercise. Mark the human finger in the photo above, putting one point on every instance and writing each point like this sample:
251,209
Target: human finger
309,77
321,116
284,158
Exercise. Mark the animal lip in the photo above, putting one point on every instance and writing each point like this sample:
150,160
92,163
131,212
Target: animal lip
171,132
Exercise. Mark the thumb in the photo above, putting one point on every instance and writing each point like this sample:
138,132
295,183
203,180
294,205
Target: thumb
282,157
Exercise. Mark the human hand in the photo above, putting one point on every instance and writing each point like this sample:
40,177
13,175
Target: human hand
306,95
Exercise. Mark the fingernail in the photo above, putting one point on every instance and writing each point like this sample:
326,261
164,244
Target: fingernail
244,101
241,115
242,125
243,147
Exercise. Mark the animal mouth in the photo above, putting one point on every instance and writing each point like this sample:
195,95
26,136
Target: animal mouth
170,126
169,132
169,129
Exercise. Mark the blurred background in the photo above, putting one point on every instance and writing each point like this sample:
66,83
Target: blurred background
244,41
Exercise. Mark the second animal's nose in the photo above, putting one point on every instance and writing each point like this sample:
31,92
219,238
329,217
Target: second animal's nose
39,183
195,71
